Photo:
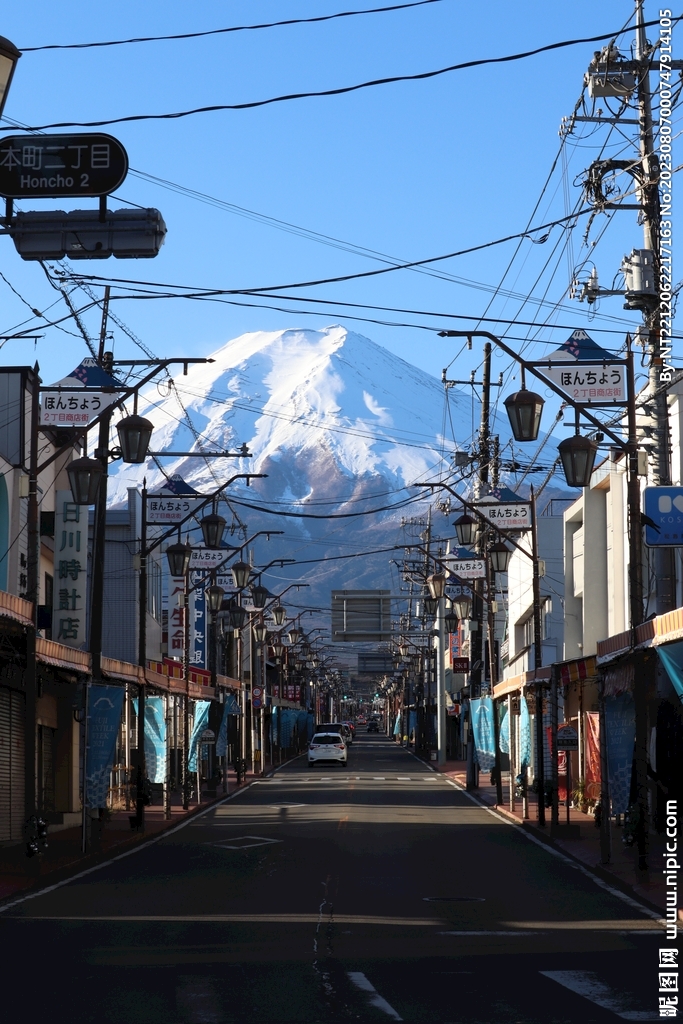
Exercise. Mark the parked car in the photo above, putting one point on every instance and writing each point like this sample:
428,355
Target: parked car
373,725
327,746
352,727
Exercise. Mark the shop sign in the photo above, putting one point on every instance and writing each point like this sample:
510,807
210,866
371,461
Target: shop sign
567,738
70,575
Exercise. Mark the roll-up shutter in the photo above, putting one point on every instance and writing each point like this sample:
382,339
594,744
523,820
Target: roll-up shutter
12,769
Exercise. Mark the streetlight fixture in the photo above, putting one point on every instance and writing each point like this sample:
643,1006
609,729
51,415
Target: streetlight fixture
466,530
259,596
578,456
403,650
279,614
524,410
135,433
294,635
500,555
260,631
437,585
462,606
237,615
212,526
241,571
451,621
214,595
430,605
84,479
278,648
178,556
9,55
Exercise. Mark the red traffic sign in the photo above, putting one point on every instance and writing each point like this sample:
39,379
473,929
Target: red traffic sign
51,166
257,691
257,696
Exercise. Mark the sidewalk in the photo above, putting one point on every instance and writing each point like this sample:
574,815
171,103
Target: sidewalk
620,872
63,856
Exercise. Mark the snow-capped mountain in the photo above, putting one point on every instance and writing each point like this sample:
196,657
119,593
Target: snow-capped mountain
340,426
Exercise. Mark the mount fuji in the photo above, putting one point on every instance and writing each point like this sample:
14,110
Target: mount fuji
340,426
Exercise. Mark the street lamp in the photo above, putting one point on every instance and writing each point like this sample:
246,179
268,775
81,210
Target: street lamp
260,631
212,526
178,556
500,555
279,614
462,606
9,55
524,410
578,455
214,595
466,530
294,635
237,615
403,650
450,621
430,605
84,479
241,571
437,585
259,596
135,433
278,648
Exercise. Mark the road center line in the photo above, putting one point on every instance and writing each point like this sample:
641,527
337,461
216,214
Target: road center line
375,999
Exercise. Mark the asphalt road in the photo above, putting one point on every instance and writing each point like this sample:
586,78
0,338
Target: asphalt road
375,892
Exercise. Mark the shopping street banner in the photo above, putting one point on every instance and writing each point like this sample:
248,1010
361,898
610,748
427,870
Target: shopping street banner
104,706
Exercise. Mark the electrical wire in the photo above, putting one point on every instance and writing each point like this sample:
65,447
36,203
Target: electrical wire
224,31
339,91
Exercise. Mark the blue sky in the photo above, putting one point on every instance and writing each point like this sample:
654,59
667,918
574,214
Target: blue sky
411,170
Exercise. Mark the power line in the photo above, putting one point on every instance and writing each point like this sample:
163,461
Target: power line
223,31
341,90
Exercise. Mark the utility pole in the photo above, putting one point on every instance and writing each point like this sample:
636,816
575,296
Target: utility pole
648,188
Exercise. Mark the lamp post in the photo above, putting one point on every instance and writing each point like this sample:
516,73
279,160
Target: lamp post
9,56
437,588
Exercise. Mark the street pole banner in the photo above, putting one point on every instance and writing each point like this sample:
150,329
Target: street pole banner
155,738
481,714
201,720
71,576
524,734
105,704
620,729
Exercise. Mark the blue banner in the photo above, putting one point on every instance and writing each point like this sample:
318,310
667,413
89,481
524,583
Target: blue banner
524,735
273,724
230,707
481,712
620,730
201,721
504,732
104,706
671,657
310,725
155,738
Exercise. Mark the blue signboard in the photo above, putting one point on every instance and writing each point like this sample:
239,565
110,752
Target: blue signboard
104,705
198,625
664,510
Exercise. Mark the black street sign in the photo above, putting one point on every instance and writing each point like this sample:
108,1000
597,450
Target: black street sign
61,165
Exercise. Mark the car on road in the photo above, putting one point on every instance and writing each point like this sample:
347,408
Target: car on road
373,726
327,746
352,728
342,727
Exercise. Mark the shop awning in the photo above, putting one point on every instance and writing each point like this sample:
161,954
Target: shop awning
671,656
49,652
112,668
515,683
16,608
577,670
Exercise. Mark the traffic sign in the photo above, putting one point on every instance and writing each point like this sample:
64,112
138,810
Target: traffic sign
257,696
50,166
506,515
663,506
567,738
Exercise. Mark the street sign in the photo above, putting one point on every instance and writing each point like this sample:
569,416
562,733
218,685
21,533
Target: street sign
257,696
507,515
75,408
208,558
588,383
166,508
466,568
663,506
51,166
567,738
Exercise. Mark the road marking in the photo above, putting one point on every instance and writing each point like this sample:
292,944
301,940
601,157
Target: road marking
403,778
361,982
549,929
269,919
379,778
244,843
588,985
569,861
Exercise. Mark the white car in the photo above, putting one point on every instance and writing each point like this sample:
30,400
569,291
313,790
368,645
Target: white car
327,746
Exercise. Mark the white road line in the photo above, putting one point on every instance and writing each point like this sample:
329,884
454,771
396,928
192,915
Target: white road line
588,985
361,982
403,778
561,856
378,778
